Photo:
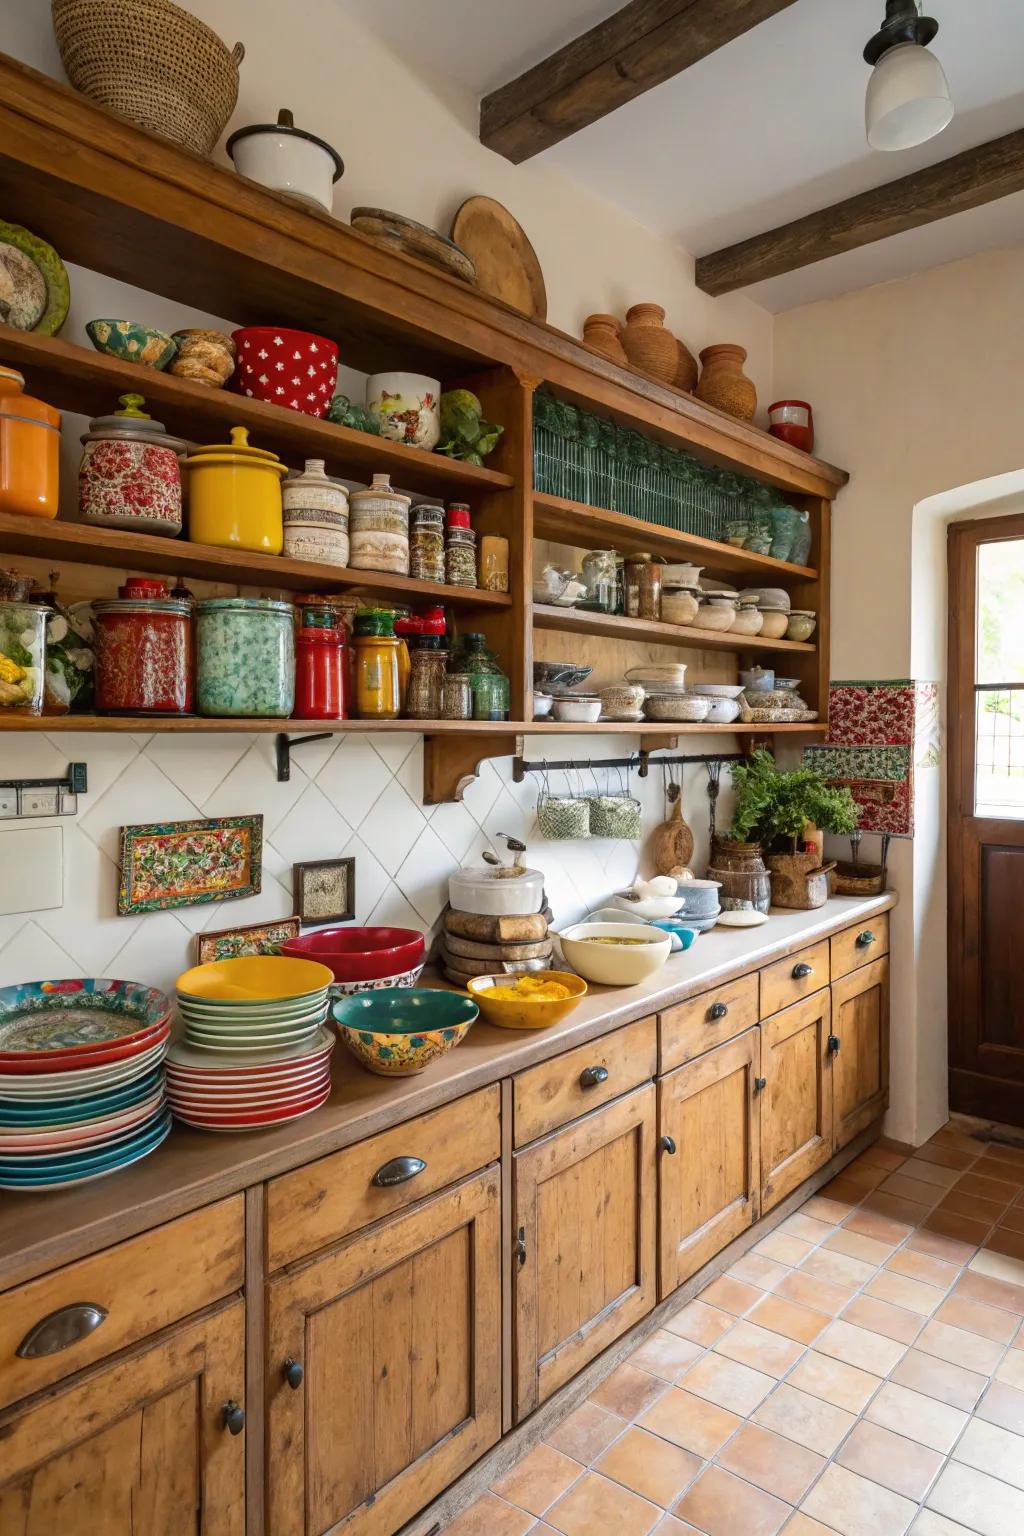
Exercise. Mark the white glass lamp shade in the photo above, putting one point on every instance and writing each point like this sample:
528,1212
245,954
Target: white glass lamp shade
908,99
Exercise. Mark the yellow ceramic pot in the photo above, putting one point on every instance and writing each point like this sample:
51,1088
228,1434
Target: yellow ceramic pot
29,450
235,495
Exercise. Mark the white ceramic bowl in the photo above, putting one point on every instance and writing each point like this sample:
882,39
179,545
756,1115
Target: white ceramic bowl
717,616
477,891
542,703
622,699
723,711
648,907
680,575
584,710
682,707
717,690
748,621
614,965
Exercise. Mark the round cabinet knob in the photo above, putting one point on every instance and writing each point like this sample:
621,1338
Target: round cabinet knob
234,1417
591,1077
760,1084
802,971
717,1011
293,1373
834,1043
866,939
667,1145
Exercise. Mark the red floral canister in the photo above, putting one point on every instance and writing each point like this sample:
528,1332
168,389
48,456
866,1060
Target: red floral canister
296,369
792,421
321,675
129,475
143,651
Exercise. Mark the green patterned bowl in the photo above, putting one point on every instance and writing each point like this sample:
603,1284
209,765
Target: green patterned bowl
132,343
398,1031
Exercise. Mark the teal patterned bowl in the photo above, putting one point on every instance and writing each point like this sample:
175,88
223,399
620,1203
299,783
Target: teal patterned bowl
132,343
398,1031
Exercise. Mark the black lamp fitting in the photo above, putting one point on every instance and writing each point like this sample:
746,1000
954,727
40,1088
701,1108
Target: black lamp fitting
903,24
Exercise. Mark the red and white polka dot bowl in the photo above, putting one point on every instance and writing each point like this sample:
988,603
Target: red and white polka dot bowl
291,368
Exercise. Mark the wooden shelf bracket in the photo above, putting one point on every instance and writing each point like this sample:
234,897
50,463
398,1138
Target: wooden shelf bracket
450,762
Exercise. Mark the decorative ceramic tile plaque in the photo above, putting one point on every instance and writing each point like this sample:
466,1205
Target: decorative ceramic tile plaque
325,891
249,939
185,863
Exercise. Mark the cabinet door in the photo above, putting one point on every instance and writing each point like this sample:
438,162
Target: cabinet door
710,1157
796,1101
136,1446
384,1367
585,1229
860,1063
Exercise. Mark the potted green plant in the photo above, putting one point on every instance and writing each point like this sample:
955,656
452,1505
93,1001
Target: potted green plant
774,807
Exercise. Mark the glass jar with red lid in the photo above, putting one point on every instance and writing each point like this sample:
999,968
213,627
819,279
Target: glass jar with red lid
143,651
321,675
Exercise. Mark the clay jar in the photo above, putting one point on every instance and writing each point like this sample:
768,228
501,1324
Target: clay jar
724,384
651,349
602,332
686,369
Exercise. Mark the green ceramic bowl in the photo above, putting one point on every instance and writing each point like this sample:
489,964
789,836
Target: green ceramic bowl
132,343
398,1031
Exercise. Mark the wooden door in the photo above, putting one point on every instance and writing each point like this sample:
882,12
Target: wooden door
986,818
709,1166
384,1367
860,1050
584,1220
138,1447
796,1101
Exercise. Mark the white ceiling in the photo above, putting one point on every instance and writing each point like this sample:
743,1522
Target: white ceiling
767,129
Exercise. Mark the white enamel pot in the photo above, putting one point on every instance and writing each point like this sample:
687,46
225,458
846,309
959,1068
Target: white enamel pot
287,159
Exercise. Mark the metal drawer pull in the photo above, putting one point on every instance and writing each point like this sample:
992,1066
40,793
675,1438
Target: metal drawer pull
667,1145
233,1417
760,1084
590,1077
834,1044
70,1325
717,1011
802,970
866,939
293,1373
519,1248
399,1171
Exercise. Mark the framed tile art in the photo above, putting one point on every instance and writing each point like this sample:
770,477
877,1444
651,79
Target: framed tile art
878,733
248,939
168,864
325,891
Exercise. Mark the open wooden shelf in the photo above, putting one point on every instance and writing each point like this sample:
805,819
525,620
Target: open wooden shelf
164,725
573,522
613,626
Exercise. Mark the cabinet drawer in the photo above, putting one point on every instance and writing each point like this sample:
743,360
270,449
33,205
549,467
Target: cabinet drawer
337,1195
858,946
796,977
696,1026
140,1285
559,1090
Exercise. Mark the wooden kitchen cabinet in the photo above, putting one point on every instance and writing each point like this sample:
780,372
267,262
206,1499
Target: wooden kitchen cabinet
796,1101
584,1220
709,1156
138,1447
384,1366
860,1044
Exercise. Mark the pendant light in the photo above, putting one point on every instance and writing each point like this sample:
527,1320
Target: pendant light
908,100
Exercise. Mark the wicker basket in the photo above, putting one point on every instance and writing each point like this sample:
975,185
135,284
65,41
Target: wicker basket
858,879
152,62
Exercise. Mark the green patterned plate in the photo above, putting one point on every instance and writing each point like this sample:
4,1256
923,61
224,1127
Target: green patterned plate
34,291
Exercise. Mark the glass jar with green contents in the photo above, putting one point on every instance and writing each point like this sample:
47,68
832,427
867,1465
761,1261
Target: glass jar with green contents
245,657
22,650
488,683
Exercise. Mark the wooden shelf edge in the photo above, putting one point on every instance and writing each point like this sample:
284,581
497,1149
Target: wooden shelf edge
615,626
162,725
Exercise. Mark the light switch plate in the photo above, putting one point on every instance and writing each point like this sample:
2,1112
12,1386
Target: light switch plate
31,869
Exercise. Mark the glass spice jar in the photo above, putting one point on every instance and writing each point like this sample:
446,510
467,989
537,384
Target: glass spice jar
457,697
245,657
460,557
321,667
494,563
424,699
377,691
426,543
643,587
143,651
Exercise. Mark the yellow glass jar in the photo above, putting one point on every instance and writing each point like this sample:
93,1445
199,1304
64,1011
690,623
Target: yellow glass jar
377,690
234,496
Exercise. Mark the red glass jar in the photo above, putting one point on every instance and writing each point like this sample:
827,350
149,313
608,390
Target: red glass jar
144,652
321,675
792,421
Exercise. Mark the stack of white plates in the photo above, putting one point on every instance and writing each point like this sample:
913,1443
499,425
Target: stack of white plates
237,1092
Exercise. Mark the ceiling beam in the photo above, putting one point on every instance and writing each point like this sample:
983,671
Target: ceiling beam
968,180
644,44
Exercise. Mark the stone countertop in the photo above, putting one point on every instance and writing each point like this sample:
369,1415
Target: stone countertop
192,1168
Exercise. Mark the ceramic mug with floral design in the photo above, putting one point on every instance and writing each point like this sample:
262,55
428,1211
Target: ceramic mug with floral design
407,407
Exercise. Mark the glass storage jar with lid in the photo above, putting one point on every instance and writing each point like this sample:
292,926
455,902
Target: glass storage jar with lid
426,542
143,650
599,573
22,657
378,692
321,668
424,697
488,683
245,657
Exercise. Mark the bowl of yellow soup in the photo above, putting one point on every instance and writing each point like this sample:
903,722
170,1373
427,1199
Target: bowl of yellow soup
615,954
534,1001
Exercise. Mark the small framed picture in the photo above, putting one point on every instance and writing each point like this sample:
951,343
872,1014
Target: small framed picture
248,939
325,891
167,864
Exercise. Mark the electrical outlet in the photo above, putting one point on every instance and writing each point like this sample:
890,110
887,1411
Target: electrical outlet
43,801
8,803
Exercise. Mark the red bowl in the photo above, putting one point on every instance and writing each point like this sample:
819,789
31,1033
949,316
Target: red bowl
360,954
296,369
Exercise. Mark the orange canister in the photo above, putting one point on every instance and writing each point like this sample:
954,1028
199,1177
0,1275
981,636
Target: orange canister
29,450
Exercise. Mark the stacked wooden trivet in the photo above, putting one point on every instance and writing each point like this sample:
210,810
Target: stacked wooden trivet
474,944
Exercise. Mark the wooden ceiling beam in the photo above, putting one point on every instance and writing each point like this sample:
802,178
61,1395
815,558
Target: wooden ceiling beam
644,44
968,180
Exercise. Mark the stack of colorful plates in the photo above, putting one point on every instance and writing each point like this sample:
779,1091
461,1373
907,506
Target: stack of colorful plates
254,1004
237,1091
81,1079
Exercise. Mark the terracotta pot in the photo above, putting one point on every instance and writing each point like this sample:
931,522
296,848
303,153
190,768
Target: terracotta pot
724,384
686,368
799,881
740,869
651,349
602,333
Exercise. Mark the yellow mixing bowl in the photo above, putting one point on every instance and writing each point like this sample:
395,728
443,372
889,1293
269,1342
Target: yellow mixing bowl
254,978
234,496
524,1013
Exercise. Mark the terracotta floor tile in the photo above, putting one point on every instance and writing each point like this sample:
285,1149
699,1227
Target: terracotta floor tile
920,1418
805,1227
975,1207
783,1249
887,1458
650,1466
722,1505
665,1354
596,1504
758,1269
853,1506
881,1227
904,1292
1002,1240
586,1432
992,1449
928,1523
864,1176
992,1167
910,1212
945,1157
922,1266
727,1383
628,1391
963,1228
805,1419
731,1295
998,1266
700,1323
1011,1370
882,1157
931,1173
989,1188
769,1462
976,1317
789,1319
690,1422
824,1209
881,1317
539,1479
959,1347
1004,1405
803,1525
809,1291
1013,1219
940,1247
837,1268
1009,1154
860,1347
936,1378
491,1516
834,1381
845,1190
759,1348
670,1526
856,1246
907,1188
986,1505
954,1135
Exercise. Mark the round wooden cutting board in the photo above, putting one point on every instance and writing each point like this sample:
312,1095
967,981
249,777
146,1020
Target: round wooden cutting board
506,262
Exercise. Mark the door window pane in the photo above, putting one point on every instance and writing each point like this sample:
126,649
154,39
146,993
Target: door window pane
1001,612
999,753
